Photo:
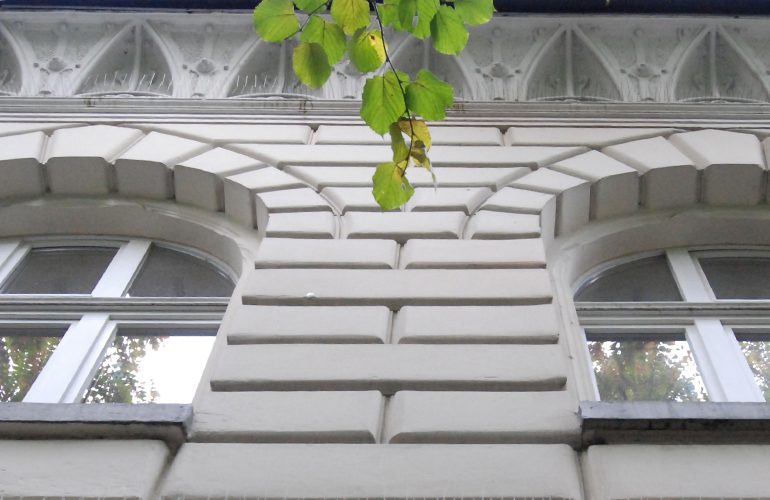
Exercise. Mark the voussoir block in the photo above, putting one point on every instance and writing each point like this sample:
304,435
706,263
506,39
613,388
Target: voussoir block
490,156
322,225
573,197
485,225
240,191
288,201
20,168
464,200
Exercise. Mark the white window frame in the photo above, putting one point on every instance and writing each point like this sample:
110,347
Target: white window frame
94,319
707,323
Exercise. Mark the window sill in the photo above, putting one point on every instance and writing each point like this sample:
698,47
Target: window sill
671,422
164,422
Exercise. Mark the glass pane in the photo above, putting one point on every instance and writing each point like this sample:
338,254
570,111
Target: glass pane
168,273
758,356
151,369
738,277
22,357
647,279
60,270
646,371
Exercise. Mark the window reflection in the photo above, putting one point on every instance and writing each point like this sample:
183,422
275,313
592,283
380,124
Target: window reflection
22,357
74,270
168,273
647,279
758,356
646,371
738,277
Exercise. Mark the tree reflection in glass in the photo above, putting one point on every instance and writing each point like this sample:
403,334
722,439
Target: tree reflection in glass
758,356
22,358
646,371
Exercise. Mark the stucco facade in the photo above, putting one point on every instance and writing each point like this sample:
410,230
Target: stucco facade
433,352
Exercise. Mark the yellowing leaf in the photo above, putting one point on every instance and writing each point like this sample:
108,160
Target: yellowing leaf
397,144
328,35
417,129
448,31
383,102
391,188
351,15
428,96
426,9
310,5
311,64
275,20
367,50
474,11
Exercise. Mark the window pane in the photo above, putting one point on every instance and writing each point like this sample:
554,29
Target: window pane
151,369
641,280
22,357
168,273
758,356
60,270
646,371
738,278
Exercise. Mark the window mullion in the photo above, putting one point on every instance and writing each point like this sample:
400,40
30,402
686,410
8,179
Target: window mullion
59,379
687,276
117,278
724,369
11,254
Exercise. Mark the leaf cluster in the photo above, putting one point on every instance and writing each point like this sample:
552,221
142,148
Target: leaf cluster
392,102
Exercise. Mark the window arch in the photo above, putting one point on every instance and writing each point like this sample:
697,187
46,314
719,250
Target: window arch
103,320
682,325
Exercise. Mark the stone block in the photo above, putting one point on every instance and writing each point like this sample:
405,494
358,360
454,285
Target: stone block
473,254
20,167
522,201
282,156
145,169
79,160
397,288
389,368
352,254
487,225
579,136
348,134
614,186
224,133
321,225
288,201
449,136
464,200
669,178
573,197
402,226
352,199
11,128
198,181
531,157
482,417
476,325
240,191
209,471
680,471
732,163
323,177
80,469
288,417
309,325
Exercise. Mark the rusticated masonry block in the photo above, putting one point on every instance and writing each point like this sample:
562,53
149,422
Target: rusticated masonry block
582,136
285,471
341,254
308,325
240,191
389,368
486,225
395,289
473,254
402,226
573,197
20,168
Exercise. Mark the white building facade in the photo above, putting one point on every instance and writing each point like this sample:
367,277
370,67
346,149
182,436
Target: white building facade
435,352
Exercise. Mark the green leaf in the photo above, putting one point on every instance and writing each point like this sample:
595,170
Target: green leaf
406,12
310,5
428,96
426,10
367,50
391,188
402,76
448,31
397,144
474,12
311,64
328,35
417,129
383,103
388,11
351,15
275,20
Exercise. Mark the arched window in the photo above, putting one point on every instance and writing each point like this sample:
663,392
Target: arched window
99,320
682,325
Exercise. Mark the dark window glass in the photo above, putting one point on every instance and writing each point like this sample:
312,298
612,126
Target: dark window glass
646,371
168,273
23,354
60,270
647,279
738,277
142,367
